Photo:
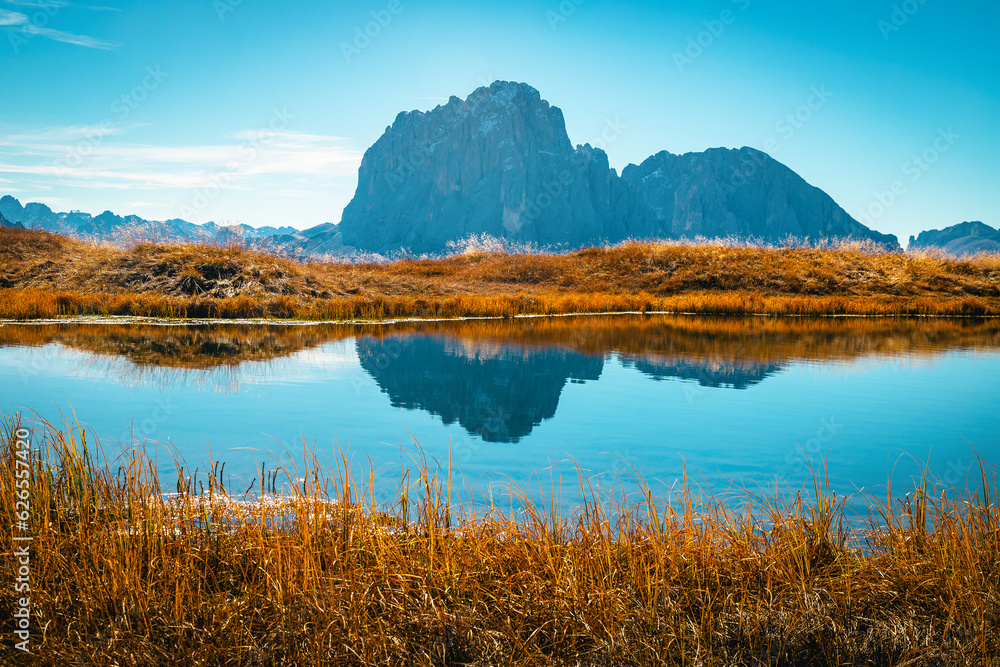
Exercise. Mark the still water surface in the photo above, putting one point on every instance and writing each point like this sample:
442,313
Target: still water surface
745,402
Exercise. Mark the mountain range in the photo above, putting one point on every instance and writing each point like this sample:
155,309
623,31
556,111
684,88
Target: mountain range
501,163
111,227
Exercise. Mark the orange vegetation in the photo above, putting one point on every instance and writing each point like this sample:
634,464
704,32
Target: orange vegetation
44,276
322,575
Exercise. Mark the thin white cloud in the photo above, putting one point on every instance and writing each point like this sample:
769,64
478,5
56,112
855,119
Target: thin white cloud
96,157
70,38
28,28
8,18
40,4
45,138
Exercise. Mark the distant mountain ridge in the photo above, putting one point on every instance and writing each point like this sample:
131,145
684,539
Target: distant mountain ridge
501,163
967,238
108,226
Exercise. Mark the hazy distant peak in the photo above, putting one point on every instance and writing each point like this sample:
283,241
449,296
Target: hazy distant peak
966,238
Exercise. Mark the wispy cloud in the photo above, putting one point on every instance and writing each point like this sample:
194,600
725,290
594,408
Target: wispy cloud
40,4
70,38
9,18
97,157
28,27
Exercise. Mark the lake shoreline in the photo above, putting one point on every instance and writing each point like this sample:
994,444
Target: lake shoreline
128,320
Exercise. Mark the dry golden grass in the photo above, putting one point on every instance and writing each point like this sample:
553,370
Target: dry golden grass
121,575
44,276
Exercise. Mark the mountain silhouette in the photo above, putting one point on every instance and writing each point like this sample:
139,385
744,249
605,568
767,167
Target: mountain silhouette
501,163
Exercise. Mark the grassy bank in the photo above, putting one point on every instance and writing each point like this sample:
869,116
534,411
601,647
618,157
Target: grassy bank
48,276
121,575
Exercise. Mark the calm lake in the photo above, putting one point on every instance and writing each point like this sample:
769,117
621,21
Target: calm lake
746,402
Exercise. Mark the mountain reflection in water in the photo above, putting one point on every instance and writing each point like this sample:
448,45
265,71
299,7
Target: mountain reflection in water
497,391
501,379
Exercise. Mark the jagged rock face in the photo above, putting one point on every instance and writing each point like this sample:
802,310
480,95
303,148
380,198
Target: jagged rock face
499,162
37,216
4,222
11,209
743,193
967,238
34,215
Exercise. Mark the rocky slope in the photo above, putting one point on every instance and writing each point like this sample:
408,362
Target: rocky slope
967,238
4,222
744,193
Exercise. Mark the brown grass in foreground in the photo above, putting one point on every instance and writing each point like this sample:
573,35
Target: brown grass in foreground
44,276
121,575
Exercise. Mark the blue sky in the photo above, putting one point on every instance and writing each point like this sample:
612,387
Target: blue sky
252,111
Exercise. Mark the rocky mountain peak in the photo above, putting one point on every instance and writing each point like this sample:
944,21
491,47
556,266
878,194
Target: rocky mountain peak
498,162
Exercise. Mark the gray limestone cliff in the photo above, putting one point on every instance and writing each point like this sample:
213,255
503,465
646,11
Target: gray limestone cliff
500,163
743,193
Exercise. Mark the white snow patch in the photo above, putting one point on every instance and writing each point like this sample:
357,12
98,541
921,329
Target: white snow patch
489,123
